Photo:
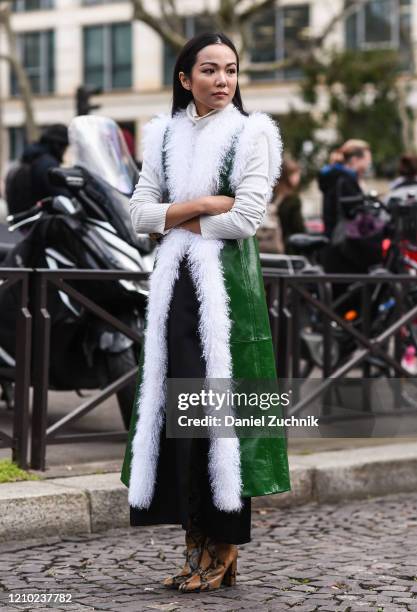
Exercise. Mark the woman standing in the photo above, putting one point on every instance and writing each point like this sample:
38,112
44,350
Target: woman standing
207,174
288,202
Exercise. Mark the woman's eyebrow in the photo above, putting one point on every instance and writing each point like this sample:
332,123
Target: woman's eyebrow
216,64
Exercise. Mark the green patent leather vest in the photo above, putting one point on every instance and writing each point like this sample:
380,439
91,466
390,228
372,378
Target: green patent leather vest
264,461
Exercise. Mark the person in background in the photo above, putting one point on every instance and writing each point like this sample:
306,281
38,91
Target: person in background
43,155
288,202
28,181
347,253
342,178
406,182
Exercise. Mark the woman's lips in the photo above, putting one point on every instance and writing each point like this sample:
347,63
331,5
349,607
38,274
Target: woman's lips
220,95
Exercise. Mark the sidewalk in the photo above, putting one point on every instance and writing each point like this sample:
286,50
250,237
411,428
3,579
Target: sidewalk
83,504
357,556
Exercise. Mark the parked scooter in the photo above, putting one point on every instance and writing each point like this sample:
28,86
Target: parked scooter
7,242
91,230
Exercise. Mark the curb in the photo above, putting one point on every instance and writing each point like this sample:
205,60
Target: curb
358,473
93,503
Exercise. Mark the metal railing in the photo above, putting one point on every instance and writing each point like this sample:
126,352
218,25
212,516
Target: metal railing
287,294
20,372
42,434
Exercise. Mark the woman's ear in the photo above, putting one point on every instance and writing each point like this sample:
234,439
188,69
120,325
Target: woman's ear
185,81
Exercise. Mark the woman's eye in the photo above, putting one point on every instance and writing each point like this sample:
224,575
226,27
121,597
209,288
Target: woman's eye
208,71
232,71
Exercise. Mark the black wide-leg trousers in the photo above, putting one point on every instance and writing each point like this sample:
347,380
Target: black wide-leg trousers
183,493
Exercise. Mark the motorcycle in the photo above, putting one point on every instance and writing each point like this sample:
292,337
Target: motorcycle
88,228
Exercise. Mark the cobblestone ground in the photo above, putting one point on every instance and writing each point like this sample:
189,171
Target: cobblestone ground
346,557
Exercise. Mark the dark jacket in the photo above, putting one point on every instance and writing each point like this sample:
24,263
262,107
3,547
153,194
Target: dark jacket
336,181
351,255
41,159
290,218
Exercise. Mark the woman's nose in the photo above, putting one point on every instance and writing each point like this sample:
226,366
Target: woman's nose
221,80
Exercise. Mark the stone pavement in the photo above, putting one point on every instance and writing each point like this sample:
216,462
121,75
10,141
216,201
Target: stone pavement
350,557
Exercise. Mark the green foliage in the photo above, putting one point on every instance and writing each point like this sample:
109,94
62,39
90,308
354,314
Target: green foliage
363,100
297,130
9,472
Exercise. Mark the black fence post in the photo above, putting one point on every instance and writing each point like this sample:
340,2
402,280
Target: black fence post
41,334
295,336
398,341
366,330
283,321
22,377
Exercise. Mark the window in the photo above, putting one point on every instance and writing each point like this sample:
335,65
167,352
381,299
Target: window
191,26
20,6
382,24
17,142
36,50
108,56
264,42
277,34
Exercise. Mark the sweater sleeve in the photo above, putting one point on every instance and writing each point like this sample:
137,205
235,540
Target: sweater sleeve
146,209
251,197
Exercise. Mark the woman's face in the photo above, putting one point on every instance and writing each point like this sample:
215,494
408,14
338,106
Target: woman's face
213,78
294,179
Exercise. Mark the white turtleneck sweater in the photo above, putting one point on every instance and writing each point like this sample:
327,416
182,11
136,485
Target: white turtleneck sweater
148,212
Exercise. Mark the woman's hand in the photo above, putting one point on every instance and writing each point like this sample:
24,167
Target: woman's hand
181,212
215,205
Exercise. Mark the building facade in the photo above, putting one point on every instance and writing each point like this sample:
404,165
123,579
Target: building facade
68,43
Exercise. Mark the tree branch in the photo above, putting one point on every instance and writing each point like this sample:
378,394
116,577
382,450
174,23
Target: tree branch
17,67
167,33
341,16
171,17
255,8
236,23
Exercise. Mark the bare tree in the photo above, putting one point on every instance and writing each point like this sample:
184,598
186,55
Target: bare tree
13,59
234,17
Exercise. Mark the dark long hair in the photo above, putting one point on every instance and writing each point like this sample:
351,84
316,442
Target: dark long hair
408,165
185,61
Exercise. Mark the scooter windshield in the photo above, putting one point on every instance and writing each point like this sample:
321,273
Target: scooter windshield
99,147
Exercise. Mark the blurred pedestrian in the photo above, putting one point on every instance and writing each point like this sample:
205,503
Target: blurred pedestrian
288,202
406,182
342,178
355,236
28,181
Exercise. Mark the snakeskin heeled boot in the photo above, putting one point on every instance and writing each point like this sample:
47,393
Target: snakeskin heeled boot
218,565
194,541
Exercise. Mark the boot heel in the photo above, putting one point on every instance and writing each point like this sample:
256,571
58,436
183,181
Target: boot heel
229,578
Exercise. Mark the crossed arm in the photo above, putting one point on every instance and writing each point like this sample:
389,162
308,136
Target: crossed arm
211,216
187,214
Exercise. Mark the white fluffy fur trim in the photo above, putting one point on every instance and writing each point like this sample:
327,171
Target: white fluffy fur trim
145,445
215,328
195,154
258,123
206,272
152,139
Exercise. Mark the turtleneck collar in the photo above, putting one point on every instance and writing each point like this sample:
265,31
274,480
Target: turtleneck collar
192,114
